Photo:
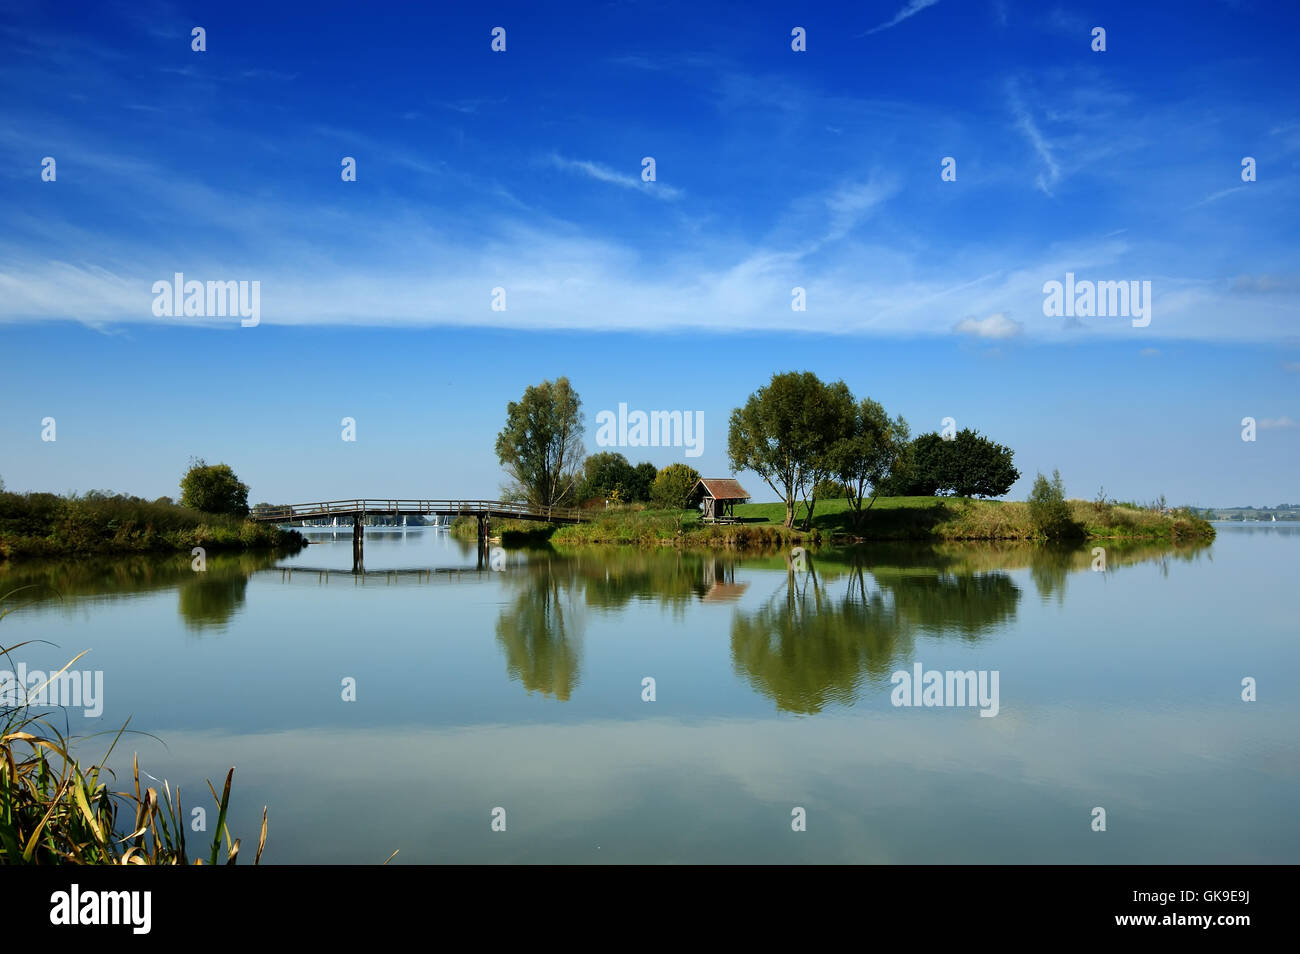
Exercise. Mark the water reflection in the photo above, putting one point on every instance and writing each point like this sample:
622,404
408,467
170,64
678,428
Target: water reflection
206,600
830,625
805,633
541,630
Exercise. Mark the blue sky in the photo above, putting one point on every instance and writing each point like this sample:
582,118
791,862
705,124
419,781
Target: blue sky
522,170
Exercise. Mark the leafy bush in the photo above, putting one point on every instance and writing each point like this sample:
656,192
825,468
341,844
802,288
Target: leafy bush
1049,512
214,488
673,485
96,522
609,476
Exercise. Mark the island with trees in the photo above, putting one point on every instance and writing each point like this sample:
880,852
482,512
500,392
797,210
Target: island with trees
842,470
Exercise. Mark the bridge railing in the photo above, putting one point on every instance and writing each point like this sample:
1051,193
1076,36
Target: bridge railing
395,506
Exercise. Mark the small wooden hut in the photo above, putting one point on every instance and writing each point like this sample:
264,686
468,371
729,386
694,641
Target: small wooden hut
719,496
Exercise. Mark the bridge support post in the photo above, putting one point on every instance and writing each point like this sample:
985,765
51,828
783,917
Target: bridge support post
358,545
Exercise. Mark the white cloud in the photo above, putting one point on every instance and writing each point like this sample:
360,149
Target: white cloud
1215,196
595,170
912,8
1276,423
850,204
997,326
1051,173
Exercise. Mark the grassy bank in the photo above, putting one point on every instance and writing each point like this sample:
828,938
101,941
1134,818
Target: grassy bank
932,519
43,525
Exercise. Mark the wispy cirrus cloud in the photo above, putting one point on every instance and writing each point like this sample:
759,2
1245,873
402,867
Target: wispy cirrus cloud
1046,179
1215,196
1265,284
852,203
600,173
1283,423
910,9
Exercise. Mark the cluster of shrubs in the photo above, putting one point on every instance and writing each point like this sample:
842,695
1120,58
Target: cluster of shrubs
43,524
610,476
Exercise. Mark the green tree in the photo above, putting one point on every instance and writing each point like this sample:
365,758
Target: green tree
541,445
214,488
873,452
978,467
607,474
785,432
1048,510
930,473
673,485
830,489
969,465
643,479
830,413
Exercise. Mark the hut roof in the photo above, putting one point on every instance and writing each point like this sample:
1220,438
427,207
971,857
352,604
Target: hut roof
724,592
720,488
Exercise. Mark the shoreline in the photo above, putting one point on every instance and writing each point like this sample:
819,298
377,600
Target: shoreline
37,525
891,520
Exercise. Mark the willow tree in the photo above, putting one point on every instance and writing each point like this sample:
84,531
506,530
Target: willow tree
541,445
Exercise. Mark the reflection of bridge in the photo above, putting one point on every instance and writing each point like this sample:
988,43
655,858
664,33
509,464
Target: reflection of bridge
482,510
323,575
358,509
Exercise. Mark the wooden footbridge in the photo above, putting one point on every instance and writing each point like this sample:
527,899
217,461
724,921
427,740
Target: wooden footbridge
358,509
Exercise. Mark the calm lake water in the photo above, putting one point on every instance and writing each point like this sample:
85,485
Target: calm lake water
522,688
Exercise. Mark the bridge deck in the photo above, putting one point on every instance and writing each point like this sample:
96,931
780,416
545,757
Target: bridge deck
424,508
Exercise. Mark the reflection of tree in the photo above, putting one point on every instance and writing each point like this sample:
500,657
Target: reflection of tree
206,599
1049,567
807,648
613,578
541,631
969,604
212,598
814,641
853,615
